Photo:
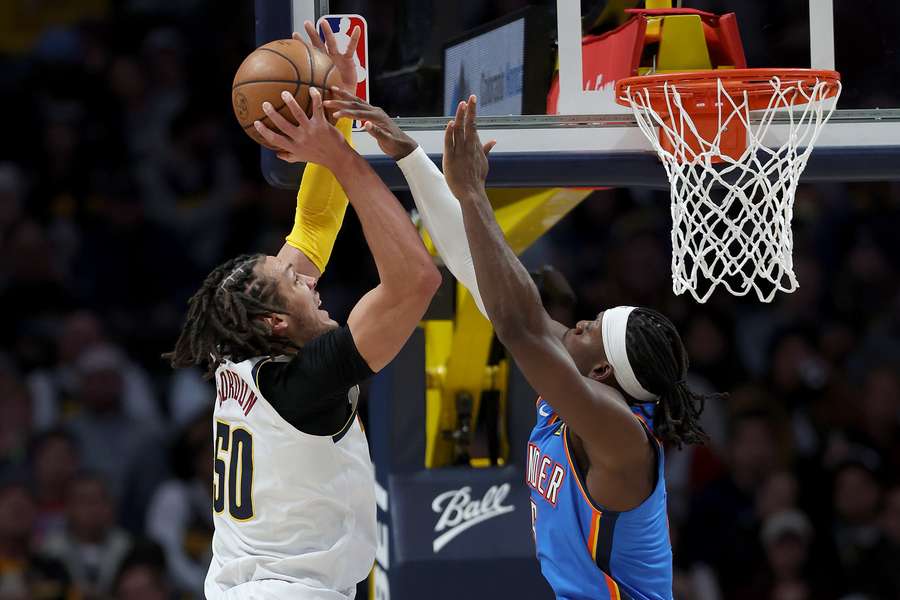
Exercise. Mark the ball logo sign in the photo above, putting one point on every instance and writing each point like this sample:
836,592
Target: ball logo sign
459,511
343,26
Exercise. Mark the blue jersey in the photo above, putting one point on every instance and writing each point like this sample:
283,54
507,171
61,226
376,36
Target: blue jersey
586,551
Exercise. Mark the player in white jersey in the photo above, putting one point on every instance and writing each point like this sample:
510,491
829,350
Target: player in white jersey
293,485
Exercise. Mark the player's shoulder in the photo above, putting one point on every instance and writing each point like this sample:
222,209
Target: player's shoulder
546,415
256,364
246,365
324,345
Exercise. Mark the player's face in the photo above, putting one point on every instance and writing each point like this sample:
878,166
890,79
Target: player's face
303,319
585,344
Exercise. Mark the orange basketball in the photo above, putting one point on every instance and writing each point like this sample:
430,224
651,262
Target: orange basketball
282,65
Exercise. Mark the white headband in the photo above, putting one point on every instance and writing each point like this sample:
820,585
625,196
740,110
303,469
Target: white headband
613,327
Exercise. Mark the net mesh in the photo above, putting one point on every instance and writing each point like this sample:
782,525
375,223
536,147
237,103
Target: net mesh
731,217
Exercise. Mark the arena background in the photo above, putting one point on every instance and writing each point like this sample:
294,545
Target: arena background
124,179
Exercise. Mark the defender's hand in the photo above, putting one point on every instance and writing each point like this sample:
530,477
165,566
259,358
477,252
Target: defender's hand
391,139
311,140
465,158
344,61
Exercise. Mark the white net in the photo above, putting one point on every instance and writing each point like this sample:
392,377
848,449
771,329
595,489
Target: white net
731,217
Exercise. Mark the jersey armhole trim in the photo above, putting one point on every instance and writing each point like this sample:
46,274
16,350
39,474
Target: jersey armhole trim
337,437
647,429
579,479
582,484
255,371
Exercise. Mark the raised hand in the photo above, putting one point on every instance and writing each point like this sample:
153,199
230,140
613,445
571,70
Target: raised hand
344,61
465,158
313,139
391,139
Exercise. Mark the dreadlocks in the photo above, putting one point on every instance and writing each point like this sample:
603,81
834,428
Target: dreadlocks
224,318
660,364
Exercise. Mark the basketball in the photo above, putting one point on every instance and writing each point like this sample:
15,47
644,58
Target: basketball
283,65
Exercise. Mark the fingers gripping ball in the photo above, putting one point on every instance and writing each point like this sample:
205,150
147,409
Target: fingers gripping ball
282,65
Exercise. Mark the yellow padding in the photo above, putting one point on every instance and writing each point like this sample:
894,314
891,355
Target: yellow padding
652,4
439,416
456,352
653,31
682,45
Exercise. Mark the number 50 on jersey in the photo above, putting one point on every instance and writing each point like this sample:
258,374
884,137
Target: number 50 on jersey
233,472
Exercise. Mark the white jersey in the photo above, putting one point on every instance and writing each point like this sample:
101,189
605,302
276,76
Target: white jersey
292,511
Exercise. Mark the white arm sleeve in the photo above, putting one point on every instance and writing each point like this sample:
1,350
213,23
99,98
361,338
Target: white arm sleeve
442,216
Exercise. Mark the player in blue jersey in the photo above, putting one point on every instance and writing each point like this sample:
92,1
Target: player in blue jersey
595,468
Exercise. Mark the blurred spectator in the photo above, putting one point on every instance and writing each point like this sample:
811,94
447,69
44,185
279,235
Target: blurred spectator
881,342
691,580
179,517
881,575
758,329
91,547
777,494
54,388
32,292
789,572
837,341
22,22
25,574
877,423
142,122
64,154
55,460
709,339
798,375
143,575
110,440
188,395
639,264
867,282
12,194
722,529
16,424
190,189
857,498
557,294
163,53
135,288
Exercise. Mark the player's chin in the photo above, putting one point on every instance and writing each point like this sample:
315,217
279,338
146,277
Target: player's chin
327,322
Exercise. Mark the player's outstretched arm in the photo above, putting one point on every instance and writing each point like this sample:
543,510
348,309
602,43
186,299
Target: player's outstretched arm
593,410
439,209
321,204
321,201
384,318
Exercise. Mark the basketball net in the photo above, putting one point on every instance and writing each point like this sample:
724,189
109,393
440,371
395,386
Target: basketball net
732,211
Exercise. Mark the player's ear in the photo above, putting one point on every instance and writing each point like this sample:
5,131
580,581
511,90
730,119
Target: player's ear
602,372
277,324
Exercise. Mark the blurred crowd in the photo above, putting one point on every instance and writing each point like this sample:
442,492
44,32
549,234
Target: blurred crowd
797,494
124,180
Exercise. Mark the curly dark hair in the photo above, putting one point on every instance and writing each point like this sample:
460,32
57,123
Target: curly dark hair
660,365
223,319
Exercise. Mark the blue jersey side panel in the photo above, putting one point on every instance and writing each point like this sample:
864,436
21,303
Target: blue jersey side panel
587,552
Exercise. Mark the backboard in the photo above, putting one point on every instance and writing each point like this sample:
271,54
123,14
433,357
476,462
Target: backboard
416,72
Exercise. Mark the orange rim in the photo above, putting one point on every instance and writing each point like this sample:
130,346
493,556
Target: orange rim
705,84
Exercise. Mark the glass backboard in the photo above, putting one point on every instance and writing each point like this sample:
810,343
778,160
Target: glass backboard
426,55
